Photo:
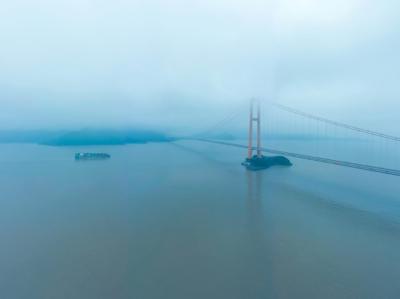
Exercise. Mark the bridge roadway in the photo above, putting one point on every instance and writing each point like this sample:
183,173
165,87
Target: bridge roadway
335,123
366,167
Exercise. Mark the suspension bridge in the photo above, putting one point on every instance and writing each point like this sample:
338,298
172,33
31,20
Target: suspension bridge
210,136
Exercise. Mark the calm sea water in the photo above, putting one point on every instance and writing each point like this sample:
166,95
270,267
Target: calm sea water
185,220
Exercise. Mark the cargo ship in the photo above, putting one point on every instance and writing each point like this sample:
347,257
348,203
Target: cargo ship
92,156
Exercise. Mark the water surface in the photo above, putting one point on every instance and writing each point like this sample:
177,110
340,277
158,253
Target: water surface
185,220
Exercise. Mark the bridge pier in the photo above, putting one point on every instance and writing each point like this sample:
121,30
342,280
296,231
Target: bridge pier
258,161
253,120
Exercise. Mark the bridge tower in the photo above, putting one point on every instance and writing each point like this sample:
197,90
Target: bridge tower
255,117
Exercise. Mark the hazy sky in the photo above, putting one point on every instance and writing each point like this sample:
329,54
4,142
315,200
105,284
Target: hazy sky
91,63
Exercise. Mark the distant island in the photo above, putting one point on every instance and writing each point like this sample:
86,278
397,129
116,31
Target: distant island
84,137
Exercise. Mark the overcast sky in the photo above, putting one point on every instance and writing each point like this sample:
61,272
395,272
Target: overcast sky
160,63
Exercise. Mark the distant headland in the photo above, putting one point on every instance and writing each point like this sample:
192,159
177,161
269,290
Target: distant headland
84,137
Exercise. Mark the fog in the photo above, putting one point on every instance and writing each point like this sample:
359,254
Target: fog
181,64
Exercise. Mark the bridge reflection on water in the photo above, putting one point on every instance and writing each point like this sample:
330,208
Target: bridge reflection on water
254,204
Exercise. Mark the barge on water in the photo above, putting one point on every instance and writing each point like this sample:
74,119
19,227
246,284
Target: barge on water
92,156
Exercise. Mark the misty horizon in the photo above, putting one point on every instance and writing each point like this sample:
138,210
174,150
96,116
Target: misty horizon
172,66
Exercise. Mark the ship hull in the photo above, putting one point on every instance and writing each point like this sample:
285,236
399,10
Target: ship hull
91,156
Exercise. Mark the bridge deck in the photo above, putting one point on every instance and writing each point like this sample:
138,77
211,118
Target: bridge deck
365,167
